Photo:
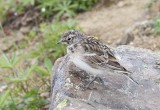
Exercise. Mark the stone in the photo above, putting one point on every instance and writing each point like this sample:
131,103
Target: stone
115,91
140,30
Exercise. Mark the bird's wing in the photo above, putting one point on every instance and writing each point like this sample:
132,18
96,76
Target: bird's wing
103,56
102,61
96,46
97,62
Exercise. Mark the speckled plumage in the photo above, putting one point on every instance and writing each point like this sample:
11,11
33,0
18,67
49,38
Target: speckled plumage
90,54
104,55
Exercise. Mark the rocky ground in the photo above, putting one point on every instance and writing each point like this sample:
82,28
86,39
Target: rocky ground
114,91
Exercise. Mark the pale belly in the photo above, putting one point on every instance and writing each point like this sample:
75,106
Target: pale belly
78,61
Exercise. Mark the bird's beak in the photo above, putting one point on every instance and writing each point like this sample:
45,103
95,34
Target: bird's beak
60,41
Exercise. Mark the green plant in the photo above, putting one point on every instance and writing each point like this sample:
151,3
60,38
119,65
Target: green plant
27,2
22,93
47,6
157,26
83,5
3,97
13,6
150,3
4,7
65,8
20,5
59,8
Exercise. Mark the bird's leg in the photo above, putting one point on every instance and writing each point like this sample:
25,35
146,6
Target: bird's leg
91,80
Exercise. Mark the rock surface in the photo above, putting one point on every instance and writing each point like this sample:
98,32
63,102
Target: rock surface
114,91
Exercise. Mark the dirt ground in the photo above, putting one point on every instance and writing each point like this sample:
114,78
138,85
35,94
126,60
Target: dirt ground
109,23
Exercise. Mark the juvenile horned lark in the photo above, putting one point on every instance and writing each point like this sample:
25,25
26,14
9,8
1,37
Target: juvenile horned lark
90,55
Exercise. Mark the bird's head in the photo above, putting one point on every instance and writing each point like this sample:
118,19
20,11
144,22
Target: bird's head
71,37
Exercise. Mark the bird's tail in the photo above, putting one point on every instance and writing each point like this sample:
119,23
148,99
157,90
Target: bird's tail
128,74
133,80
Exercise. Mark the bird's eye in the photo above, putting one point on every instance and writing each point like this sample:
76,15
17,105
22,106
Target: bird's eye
69,38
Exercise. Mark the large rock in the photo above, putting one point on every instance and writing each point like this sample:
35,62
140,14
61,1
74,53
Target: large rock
114,91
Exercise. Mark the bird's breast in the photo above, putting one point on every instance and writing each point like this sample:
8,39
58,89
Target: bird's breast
80,63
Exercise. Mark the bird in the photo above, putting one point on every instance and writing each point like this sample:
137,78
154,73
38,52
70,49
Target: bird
91,55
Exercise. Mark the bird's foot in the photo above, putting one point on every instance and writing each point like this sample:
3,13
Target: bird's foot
87,84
